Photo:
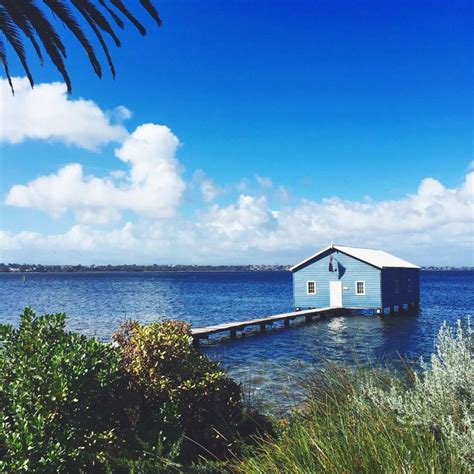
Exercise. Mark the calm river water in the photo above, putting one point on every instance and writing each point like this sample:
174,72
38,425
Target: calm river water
95,303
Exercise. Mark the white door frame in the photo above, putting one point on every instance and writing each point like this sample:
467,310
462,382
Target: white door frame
335,294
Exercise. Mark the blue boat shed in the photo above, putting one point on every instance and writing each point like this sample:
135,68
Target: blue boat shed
355,278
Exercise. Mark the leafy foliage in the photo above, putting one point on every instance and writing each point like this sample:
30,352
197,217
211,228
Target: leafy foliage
178,386
148,402
374,420
24,18
56,396
340,430
441,397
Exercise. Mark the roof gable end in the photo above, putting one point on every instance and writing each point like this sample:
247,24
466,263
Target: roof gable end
373,257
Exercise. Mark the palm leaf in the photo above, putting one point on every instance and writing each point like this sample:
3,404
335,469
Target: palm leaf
89,11
148,6
26,17
102,43
116,18
123,9
63,12
40,23
49,38
23,23
3,60
11,33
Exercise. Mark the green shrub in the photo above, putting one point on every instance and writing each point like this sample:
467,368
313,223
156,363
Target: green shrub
148,402
441,395
341,431
56,396
178,389
370,420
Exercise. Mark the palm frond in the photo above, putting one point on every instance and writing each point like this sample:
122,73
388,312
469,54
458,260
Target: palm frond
63,12
102,43
124,10
11,33
40,23
28,18
89,11
148,6
23,23
116,18
49,38
3,60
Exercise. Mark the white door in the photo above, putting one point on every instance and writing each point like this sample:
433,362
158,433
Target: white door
335,294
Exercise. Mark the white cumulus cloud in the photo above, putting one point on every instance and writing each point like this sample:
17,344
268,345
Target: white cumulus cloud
250,215
432,226
152,187
47,113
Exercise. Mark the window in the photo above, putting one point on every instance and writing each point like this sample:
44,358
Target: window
397,287
409,285
311,287
360,287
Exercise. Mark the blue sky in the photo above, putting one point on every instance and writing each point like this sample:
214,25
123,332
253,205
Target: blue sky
286,103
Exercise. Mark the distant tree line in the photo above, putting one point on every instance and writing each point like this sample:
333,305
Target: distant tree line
16,267
26,267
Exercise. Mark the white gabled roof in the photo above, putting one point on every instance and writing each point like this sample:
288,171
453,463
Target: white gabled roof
377,258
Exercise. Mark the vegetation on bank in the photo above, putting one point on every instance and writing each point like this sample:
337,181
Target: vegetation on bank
37,268
377,421
146,402
149,402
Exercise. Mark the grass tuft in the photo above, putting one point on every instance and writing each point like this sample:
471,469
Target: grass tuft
370,420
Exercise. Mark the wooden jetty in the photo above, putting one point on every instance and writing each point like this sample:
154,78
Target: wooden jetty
261,323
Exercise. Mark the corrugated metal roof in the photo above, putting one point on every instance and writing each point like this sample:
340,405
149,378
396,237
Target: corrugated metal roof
377,258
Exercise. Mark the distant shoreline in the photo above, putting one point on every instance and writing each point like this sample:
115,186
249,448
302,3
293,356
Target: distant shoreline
31,268
27,268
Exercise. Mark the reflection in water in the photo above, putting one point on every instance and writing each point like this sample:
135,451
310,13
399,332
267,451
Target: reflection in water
337,334
268,365
336,324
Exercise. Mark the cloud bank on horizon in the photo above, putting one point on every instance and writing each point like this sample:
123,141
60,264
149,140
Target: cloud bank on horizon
136,216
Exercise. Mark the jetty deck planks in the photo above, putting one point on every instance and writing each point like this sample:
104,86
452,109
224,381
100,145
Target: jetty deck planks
233,327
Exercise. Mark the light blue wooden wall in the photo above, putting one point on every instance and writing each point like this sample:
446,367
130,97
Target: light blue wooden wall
354,270
407,293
